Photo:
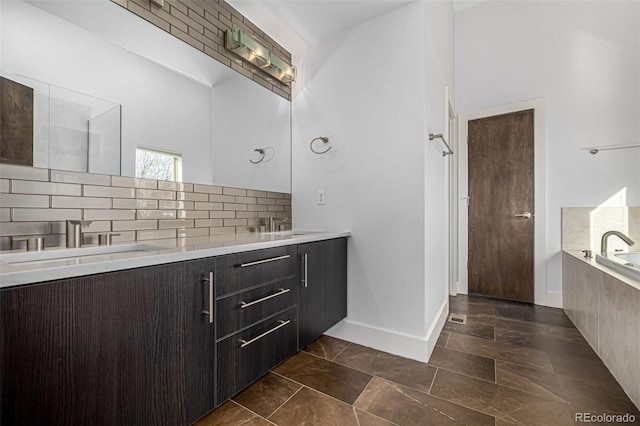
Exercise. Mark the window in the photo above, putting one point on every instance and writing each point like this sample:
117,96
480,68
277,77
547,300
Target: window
156,164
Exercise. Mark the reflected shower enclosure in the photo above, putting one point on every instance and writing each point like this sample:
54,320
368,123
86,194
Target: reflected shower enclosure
69,130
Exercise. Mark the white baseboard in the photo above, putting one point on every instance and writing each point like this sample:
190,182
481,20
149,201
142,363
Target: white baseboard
554,300
397,343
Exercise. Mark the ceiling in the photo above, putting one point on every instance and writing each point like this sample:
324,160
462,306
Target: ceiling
299,24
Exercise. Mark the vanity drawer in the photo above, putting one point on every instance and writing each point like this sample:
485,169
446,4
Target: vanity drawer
240,310
236,272
247,355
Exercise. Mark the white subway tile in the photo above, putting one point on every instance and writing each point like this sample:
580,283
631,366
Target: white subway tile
192,196
155,194
80,202
265,201
209,189
131,182
246,200
275,195
235,222
34,215
178,223
156,214
11,171
257,208
253,193
155,235
133,225
77,177
108,191
21,200
23,228
5,215
4,185
175,205
193,232
246,215
234,191
283,202
208,223
128,203
222,214
175,186
222,230
109,214
192,214
47,188
273,208
235,207
208,206
222,198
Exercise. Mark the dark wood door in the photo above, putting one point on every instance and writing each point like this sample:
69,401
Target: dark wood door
122,348
501,187
16,123
323,298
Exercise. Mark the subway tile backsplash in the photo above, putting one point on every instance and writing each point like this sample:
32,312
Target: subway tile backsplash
35,202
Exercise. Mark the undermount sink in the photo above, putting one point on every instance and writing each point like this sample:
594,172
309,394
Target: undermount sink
67,253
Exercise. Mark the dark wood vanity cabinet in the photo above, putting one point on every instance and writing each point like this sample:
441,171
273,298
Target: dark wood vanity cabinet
257,313
162,344
323,291
121,348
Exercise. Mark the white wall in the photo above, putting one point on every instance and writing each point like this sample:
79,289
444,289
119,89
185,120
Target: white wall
365,90
583,58
240,126
160,108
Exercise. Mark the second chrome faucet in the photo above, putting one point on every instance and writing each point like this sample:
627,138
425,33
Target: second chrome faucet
74,232
606,235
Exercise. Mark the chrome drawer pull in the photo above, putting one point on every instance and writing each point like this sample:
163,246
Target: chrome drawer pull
259,262
210,311
245,343
280,292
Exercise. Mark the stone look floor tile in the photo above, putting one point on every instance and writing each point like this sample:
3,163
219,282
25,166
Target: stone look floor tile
309,407
414,374
499,401
405,406
544,372
231,414
442,339
462,362
335,380
326,347
502,351
267,394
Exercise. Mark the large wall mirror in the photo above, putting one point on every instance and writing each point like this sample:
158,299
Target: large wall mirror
175,103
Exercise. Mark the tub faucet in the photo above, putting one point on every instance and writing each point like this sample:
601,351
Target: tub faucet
606,235
74,232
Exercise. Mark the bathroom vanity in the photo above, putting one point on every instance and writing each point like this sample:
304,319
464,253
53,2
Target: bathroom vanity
168,341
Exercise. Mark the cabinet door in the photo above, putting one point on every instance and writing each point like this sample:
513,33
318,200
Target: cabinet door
106,349
250,353
323,295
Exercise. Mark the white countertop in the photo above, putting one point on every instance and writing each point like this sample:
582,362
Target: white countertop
615,274
174,250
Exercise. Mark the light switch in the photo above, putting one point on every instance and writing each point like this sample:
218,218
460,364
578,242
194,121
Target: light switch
321,197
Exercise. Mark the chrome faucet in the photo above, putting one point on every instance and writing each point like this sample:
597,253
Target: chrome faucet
606,235
272,225
74,232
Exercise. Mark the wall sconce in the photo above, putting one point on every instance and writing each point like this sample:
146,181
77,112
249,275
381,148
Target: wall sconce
247,47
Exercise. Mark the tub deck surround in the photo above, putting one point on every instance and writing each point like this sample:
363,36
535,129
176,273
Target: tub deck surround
603,268
169,250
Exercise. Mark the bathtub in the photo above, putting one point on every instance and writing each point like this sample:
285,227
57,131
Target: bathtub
625,263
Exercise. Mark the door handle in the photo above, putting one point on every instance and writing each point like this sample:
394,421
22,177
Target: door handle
209,312
305,261
525,215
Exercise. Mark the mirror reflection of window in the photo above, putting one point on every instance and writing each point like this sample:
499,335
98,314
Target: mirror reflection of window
157,164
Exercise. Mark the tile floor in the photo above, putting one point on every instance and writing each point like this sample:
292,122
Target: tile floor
511,363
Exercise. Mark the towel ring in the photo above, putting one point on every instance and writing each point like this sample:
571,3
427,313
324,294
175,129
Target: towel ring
261,152
323,139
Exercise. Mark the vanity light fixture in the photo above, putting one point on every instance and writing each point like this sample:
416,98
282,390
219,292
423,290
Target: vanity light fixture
247,47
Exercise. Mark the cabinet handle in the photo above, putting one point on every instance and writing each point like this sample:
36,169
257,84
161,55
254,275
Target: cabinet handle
259,262
280,292
245,343
305,260
210,311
